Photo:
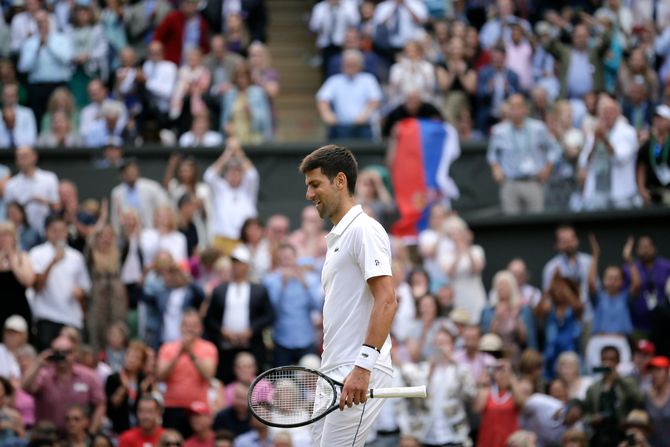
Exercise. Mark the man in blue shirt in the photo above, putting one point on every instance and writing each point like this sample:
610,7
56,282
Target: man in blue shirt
295,294
46,59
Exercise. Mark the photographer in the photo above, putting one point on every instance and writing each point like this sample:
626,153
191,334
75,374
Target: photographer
637,430
57,383
608,401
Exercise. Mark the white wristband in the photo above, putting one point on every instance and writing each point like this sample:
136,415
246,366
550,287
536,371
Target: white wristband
367,357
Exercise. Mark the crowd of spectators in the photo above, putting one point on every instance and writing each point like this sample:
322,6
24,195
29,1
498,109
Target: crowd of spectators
84,73
142,319
571,96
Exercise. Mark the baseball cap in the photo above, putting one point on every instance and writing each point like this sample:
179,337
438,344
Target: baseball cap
241,253
663,111
200,408
646,346
660,361
16,323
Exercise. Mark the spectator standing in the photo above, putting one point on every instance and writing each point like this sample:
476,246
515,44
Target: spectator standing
411,73
45,58
347,102
26,235
608,401
62,383
186,366
237,189
568,371
61,283
14,337
157,80
310,239
35,189
519,56
330,20
141,20
252,235
495,84
413,106
90,50
499,27
169,293
572,264
200,134
16,275
193,80
221,63
23,130
132,264
140,194
372,63
521,154
24,24
469,355
451,388
246,113
149,429
653,161
607,162
657,401
125,388
421,335
654,272
80,223
92,114
163,237
76,426
107,303
499,402
295,294
463,265
182,30
456,79
397,22
637,67
237,315
581,66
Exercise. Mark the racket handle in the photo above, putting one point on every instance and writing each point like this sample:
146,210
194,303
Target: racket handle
406,391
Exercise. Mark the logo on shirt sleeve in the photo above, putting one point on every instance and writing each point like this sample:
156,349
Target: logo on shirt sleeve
377,262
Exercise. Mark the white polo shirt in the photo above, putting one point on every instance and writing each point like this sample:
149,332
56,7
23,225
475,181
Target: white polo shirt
358,249
55,302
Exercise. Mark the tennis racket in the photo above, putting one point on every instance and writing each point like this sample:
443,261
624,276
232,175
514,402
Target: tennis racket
293,396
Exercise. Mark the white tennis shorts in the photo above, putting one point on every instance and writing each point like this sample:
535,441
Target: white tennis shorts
350,427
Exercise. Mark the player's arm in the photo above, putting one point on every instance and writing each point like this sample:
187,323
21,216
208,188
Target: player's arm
385,304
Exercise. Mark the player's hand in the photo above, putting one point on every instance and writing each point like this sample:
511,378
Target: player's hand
355,389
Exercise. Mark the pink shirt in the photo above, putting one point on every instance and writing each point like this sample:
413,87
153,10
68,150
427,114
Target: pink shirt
185,385
476,365
520,61
53,397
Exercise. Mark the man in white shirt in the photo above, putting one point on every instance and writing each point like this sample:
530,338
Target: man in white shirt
330,20
238,313
348,101
92,113
360,300
236,190
404,20
61,283
159,77
607,162
23,130
35,189
141,194
23,24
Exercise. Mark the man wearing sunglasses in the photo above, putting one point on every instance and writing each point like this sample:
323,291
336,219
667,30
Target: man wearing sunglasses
58,383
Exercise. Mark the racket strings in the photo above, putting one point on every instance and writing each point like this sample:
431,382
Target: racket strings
289,396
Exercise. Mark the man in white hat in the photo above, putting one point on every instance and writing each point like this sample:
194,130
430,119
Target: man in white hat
14,336
238,313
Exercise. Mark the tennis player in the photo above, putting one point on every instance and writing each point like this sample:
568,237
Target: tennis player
359,302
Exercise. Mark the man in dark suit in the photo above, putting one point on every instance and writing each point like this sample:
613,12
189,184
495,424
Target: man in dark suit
237,315
253,13
495,84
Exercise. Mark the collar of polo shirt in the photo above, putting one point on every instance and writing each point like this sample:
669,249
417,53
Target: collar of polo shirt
346,220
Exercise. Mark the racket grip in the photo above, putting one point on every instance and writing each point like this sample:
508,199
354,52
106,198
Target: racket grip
407,391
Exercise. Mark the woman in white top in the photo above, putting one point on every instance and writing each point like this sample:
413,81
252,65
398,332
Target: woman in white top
181,177
464,265
567,369
411,73
200,134
450,387
163,237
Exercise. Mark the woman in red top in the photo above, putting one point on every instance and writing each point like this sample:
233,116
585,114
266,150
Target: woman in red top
499,402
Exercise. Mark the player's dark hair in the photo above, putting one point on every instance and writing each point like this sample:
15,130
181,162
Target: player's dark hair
332,160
